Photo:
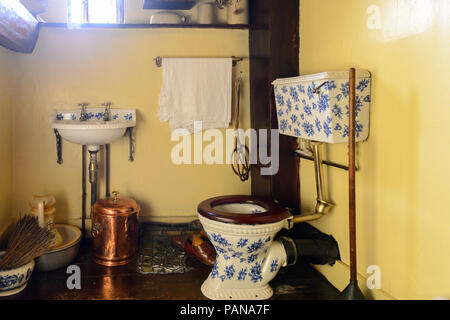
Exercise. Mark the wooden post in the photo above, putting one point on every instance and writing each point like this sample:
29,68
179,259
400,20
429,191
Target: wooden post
351,174
274,47
352,291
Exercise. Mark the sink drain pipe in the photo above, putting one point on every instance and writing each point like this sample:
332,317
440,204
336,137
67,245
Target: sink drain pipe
93,174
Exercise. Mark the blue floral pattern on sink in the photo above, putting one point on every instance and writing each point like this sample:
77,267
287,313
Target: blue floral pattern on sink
318,110
96,114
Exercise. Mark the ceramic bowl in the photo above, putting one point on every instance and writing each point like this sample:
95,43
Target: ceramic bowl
65,253
15,280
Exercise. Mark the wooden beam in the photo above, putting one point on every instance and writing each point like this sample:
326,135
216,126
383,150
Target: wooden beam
274,53
19,29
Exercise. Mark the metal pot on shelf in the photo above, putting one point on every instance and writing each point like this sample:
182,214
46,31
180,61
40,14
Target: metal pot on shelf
115,230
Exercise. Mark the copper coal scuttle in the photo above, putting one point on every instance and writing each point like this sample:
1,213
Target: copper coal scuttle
115,230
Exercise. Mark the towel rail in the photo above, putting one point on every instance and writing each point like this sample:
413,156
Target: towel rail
158,61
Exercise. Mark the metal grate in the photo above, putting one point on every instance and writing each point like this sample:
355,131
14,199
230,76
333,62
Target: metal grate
157,253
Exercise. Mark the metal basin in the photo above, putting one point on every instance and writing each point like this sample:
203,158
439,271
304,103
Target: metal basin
63,254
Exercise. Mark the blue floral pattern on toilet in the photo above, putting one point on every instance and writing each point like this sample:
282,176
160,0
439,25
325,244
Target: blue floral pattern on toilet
241,260
315,107
248,257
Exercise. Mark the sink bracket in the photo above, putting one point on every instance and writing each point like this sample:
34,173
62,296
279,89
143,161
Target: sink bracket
130,135
58,146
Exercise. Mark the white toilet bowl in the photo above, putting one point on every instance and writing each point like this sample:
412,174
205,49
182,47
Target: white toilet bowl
242,229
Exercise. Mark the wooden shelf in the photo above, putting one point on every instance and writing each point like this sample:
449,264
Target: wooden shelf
123,282
141,26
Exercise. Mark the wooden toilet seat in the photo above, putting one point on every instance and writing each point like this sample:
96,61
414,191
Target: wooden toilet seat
274,212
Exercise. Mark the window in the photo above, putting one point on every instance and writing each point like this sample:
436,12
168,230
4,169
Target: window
95,11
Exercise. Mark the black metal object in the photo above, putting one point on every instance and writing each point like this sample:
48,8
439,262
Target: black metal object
169,4
309,245
318,251
83,188
351,292
58,147
130,135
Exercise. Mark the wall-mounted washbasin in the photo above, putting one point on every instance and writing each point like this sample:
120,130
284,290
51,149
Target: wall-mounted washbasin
94,130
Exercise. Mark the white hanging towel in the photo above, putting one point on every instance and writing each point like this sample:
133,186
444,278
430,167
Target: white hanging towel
194,90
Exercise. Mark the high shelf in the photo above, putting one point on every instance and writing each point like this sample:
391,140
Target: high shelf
141,26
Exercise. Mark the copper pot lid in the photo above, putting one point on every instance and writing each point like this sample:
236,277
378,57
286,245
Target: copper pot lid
115,205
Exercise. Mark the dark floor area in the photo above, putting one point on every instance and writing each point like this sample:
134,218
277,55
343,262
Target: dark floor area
299,282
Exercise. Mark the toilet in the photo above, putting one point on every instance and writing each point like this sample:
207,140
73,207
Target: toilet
242,229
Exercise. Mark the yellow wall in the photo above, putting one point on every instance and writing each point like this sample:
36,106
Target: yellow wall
402,215
402,221
95,65
6,99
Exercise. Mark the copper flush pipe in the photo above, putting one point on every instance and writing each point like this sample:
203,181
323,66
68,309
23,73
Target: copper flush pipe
322,206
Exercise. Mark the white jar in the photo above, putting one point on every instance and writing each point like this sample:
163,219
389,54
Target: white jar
237,12
206,13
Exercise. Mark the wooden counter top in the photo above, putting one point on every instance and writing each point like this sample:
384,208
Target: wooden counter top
299,282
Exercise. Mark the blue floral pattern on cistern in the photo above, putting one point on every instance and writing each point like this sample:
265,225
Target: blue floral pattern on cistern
318,110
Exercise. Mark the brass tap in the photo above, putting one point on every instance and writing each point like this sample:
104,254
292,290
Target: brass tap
83,106
106,115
